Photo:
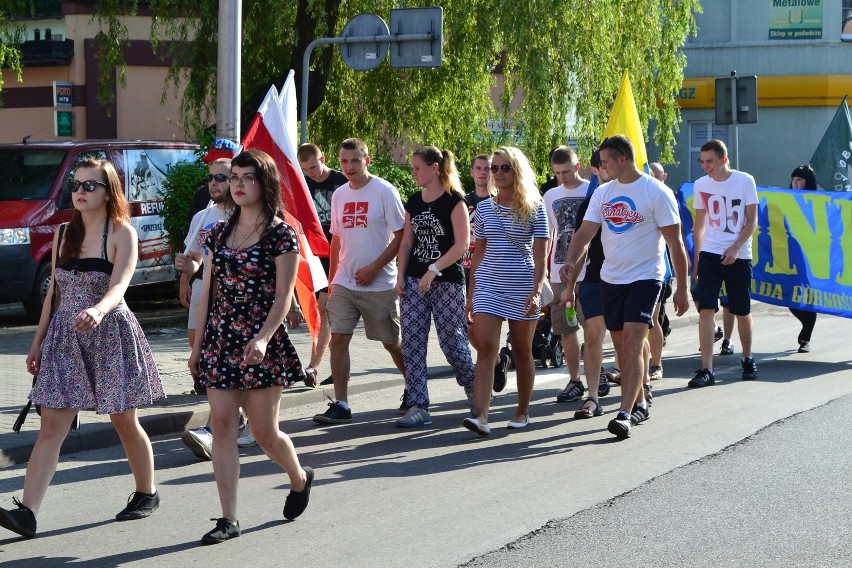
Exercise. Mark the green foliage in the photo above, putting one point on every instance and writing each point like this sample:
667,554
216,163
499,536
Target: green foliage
182,179
556,65
397,174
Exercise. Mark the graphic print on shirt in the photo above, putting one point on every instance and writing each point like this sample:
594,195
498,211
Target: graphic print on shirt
620,214
355,214
565,211
201,238
427,228
322,204
723,212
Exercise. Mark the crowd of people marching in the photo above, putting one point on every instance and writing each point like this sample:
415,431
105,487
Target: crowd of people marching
610,250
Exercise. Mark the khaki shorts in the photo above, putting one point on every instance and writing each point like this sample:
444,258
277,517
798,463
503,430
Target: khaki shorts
557,313
380,311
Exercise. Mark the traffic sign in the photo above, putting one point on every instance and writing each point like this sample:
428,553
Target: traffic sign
746,100
64,123
414,21
364,56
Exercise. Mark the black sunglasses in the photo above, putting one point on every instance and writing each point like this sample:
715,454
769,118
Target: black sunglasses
610,143
218,177
501,168
88,186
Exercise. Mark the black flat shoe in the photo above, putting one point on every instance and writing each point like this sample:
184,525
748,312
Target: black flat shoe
297,502
20,520
225,530
139,506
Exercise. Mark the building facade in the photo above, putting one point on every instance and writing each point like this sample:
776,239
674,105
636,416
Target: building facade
60,48
801,53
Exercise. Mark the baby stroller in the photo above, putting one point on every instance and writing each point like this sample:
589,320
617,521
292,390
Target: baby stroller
546,345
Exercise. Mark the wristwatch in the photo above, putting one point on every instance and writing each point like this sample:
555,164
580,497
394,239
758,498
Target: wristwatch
434,268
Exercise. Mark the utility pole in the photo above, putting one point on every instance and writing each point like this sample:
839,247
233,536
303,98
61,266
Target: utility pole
230,70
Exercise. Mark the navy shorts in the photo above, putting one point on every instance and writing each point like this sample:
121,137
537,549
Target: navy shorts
634,302
590,299
736,277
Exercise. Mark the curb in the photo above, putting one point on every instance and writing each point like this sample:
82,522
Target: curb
181,412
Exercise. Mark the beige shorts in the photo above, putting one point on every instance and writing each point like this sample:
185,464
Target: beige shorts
380,311
557,313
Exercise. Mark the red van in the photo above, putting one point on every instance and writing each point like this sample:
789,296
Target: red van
34,199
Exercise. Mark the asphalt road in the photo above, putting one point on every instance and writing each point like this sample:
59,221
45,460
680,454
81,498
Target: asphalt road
738,474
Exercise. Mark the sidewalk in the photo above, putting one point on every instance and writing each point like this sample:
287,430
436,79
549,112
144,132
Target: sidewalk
372,369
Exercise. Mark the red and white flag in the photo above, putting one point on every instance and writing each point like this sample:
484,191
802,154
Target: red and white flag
273,130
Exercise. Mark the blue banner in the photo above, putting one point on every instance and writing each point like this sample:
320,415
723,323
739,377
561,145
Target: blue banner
801,248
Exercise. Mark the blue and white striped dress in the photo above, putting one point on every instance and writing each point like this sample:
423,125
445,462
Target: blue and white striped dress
504,278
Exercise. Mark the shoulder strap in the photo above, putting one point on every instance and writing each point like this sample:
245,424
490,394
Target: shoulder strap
53,266
506,231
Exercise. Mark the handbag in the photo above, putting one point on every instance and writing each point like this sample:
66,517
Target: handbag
22,416
546,290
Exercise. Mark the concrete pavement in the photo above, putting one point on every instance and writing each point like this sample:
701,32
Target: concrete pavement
372,369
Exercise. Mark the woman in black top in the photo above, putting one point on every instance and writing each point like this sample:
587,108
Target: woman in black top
430,279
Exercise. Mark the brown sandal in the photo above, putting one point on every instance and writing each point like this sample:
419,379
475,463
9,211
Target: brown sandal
614,375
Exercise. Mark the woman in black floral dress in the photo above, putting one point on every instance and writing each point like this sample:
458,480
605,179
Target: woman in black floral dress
245,346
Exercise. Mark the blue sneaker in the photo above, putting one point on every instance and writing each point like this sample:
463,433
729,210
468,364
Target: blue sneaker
603,386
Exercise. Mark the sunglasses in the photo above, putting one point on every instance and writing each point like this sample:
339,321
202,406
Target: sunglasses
613,144
501,168
88,186
218,177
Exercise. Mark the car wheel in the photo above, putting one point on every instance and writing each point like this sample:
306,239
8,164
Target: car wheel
33,304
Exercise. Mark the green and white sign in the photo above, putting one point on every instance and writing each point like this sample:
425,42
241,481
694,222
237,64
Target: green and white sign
64,122
795,19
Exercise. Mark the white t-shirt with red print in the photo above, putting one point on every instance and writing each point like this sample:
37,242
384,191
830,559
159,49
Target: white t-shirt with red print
724,203
365,220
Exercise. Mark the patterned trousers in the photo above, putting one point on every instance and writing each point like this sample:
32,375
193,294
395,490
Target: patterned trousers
445,301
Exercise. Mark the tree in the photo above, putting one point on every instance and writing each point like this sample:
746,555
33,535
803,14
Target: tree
560,62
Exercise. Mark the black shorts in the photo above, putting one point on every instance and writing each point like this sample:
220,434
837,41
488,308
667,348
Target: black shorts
634,302
590,299
736,277
325,261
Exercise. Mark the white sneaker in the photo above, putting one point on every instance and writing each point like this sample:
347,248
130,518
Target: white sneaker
244,438
200,441
414,417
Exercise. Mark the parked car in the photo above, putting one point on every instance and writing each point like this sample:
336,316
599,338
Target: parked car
35,199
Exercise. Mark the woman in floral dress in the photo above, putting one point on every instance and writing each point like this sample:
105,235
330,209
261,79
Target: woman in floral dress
244,347
91,354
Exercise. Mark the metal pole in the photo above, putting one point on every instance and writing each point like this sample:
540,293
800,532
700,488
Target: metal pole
734,119
229,70
306,64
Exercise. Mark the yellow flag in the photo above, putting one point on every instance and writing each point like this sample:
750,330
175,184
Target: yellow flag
624,119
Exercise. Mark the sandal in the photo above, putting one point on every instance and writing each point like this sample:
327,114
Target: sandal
588,412
614,375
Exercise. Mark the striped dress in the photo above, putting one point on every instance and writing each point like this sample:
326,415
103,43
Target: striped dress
504,278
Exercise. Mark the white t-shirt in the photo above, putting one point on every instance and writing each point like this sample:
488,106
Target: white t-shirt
631,216
365,220
724,203
561,204
199,228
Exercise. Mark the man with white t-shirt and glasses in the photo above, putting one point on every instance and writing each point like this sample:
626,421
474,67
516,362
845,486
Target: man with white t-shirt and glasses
725,220
638,217
367,218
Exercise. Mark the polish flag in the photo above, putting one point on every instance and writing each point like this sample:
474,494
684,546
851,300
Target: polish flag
273,130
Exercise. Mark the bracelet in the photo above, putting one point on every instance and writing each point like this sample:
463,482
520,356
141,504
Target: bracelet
100,313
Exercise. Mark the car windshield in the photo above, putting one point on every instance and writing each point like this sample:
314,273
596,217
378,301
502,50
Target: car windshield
28,173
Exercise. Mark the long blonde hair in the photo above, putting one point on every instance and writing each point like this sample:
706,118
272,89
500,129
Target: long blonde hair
527,197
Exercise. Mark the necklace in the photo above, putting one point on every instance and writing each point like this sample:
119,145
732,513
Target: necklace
238,234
